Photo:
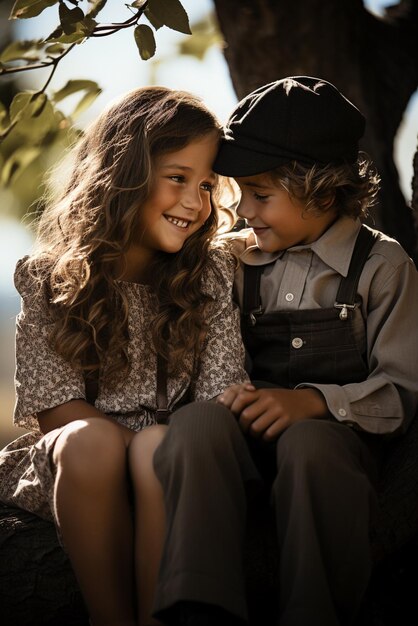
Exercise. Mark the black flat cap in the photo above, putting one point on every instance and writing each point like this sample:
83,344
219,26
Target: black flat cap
298,118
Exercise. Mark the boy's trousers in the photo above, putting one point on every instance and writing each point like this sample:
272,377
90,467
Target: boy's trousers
322,495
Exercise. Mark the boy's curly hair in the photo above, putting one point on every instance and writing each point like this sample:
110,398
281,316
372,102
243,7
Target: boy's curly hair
84,234
349,188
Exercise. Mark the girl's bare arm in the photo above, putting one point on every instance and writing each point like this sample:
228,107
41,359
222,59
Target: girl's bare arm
65,413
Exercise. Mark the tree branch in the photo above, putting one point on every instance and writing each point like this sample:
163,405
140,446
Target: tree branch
100,31
119,25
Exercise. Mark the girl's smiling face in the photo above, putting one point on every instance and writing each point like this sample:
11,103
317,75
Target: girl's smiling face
278,220
179,202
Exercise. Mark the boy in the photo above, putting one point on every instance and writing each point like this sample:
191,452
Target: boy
329,319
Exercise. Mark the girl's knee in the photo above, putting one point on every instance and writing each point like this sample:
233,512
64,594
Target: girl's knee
141,459
150,436
145,442
89,445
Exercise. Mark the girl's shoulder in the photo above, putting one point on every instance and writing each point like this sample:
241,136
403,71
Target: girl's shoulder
220,270
23,280
221,255
30,284
238,241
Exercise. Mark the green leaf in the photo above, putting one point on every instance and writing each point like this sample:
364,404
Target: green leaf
90,87
156,23
55,48
85,102
3,115
69,18
72,86
17,162
81,30
205,35
144,39
29,8
27,50
32,116
170,13
20,102
97,6
88,25
58,36
55,34
38,102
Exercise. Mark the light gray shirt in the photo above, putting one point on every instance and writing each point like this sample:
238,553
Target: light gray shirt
385,322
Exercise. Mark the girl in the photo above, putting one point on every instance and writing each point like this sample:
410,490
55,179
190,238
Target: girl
126,313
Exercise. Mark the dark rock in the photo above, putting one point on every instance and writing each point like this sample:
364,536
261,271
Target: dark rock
37,584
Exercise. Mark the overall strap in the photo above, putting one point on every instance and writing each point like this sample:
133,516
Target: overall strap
347,291
91,380
92,387
162,413
251,305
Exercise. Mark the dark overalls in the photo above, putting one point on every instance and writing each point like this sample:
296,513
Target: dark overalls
322,490
287,348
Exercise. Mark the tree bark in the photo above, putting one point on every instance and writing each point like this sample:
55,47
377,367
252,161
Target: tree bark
38,587
414,202
372,60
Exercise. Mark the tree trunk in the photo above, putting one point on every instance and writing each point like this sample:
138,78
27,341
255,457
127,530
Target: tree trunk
373,61
38,587
414,202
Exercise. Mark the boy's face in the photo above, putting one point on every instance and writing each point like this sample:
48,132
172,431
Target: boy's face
279,221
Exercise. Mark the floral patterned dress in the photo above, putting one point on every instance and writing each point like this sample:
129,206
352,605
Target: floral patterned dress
44,379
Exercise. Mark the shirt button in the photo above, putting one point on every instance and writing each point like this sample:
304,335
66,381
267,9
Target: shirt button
289,297
342,412
297,342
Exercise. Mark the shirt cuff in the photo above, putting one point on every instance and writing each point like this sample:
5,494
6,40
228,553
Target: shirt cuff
337,402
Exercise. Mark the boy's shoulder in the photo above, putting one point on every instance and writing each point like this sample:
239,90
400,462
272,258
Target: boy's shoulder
389,250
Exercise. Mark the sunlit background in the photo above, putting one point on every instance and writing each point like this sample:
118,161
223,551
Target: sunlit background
114,63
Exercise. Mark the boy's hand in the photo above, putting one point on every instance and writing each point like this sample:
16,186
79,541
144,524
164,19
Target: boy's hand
228,397
265,413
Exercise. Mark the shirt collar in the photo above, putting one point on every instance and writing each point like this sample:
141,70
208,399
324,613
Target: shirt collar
335,247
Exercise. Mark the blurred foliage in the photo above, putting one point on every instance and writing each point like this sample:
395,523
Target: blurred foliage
205,35
34,132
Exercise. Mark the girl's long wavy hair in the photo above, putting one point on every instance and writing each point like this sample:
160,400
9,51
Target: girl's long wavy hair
84,234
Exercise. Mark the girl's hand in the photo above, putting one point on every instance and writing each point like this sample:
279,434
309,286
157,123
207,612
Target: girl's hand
266,413
228,397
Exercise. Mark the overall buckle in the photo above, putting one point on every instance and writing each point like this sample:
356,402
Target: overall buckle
162,416
253,313
344,309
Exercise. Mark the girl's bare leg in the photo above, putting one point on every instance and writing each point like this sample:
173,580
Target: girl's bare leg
94,516
149,518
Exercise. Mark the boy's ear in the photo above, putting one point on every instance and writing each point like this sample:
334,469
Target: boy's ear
325,204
